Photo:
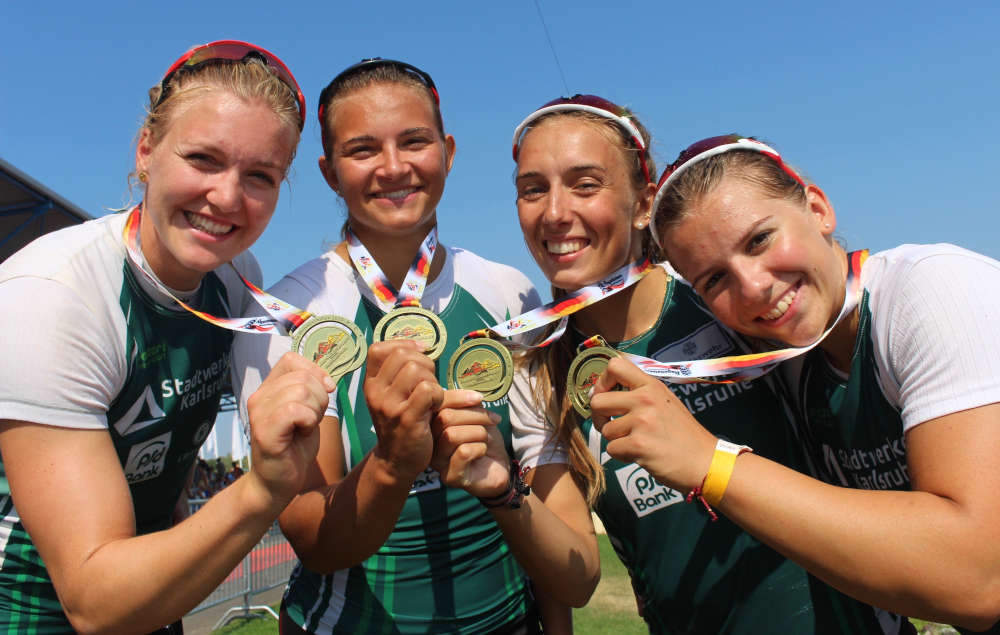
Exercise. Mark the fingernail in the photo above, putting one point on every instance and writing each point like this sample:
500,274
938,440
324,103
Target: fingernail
329,384
495,418
473,394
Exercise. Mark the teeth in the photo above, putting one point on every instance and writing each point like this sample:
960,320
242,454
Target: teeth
208,225
781,307
564,246
398,194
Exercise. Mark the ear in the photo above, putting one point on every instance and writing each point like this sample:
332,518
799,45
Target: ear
143,151
449,148
329,174
821,209
643,207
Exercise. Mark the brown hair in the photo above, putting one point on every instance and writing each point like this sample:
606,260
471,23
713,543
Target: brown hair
363,76
249,79
702,177
549,367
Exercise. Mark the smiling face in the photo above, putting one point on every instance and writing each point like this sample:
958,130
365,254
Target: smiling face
387,159
578,208
213,184
766,267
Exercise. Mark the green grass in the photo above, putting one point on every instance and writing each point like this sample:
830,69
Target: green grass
612,607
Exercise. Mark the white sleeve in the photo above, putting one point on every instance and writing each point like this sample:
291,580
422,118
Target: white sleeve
534,440
61,365
941,341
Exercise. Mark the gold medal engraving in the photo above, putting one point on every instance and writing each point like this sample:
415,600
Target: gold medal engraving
332,342
484,365
413,323
586,367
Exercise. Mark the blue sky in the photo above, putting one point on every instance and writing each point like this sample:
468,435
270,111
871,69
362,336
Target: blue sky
891,107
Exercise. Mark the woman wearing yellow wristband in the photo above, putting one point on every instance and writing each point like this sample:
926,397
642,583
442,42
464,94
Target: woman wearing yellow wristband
897,404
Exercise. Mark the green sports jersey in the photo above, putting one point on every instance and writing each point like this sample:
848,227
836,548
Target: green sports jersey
445,567
694,575
151,376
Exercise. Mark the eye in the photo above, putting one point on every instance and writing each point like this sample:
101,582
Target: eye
530,191
587,186
201,159
359,151
758,241
416,142
711,282
266,178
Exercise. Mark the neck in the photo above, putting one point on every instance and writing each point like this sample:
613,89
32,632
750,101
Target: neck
395,254
839,344
628,313
163,265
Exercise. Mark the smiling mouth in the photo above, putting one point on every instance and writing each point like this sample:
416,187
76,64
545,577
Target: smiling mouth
782,306
395,195
208,225
562,247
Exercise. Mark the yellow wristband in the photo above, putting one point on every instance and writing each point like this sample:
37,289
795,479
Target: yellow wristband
720,471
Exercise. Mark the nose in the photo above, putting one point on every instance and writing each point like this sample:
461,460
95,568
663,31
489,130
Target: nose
556,207
753,282
392,166
226,193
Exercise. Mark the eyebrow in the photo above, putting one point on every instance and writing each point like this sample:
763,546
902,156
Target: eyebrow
575,168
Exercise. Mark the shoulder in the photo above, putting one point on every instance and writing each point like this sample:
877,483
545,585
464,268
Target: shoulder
924,265
71,252
326,281
485,278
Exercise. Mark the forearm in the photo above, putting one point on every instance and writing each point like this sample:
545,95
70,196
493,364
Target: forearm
338,526
910,552
141,583
561,562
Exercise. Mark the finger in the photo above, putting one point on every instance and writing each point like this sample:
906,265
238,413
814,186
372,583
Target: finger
448,418
292,362
458,398
390,353
620,372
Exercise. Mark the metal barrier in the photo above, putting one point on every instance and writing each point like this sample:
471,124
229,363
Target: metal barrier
268,565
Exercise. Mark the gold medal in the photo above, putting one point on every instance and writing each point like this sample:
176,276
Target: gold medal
586,367
333,343
413,323
484,365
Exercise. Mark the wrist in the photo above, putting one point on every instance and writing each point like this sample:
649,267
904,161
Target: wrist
713,487
513,495
390,474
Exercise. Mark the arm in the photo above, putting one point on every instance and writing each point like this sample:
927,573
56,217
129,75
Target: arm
873,545
338,521
552,533
110,580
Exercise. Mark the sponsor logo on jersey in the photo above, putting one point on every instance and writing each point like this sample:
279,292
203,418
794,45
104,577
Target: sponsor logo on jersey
146,459
880,467
644,494
429,480
707,342
136,417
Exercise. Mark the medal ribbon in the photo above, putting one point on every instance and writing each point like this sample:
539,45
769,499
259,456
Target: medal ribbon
378,282
725,370
283,315
562,308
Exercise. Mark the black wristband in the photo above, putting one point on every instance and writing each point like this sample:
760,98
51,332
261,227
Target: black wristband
516,490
